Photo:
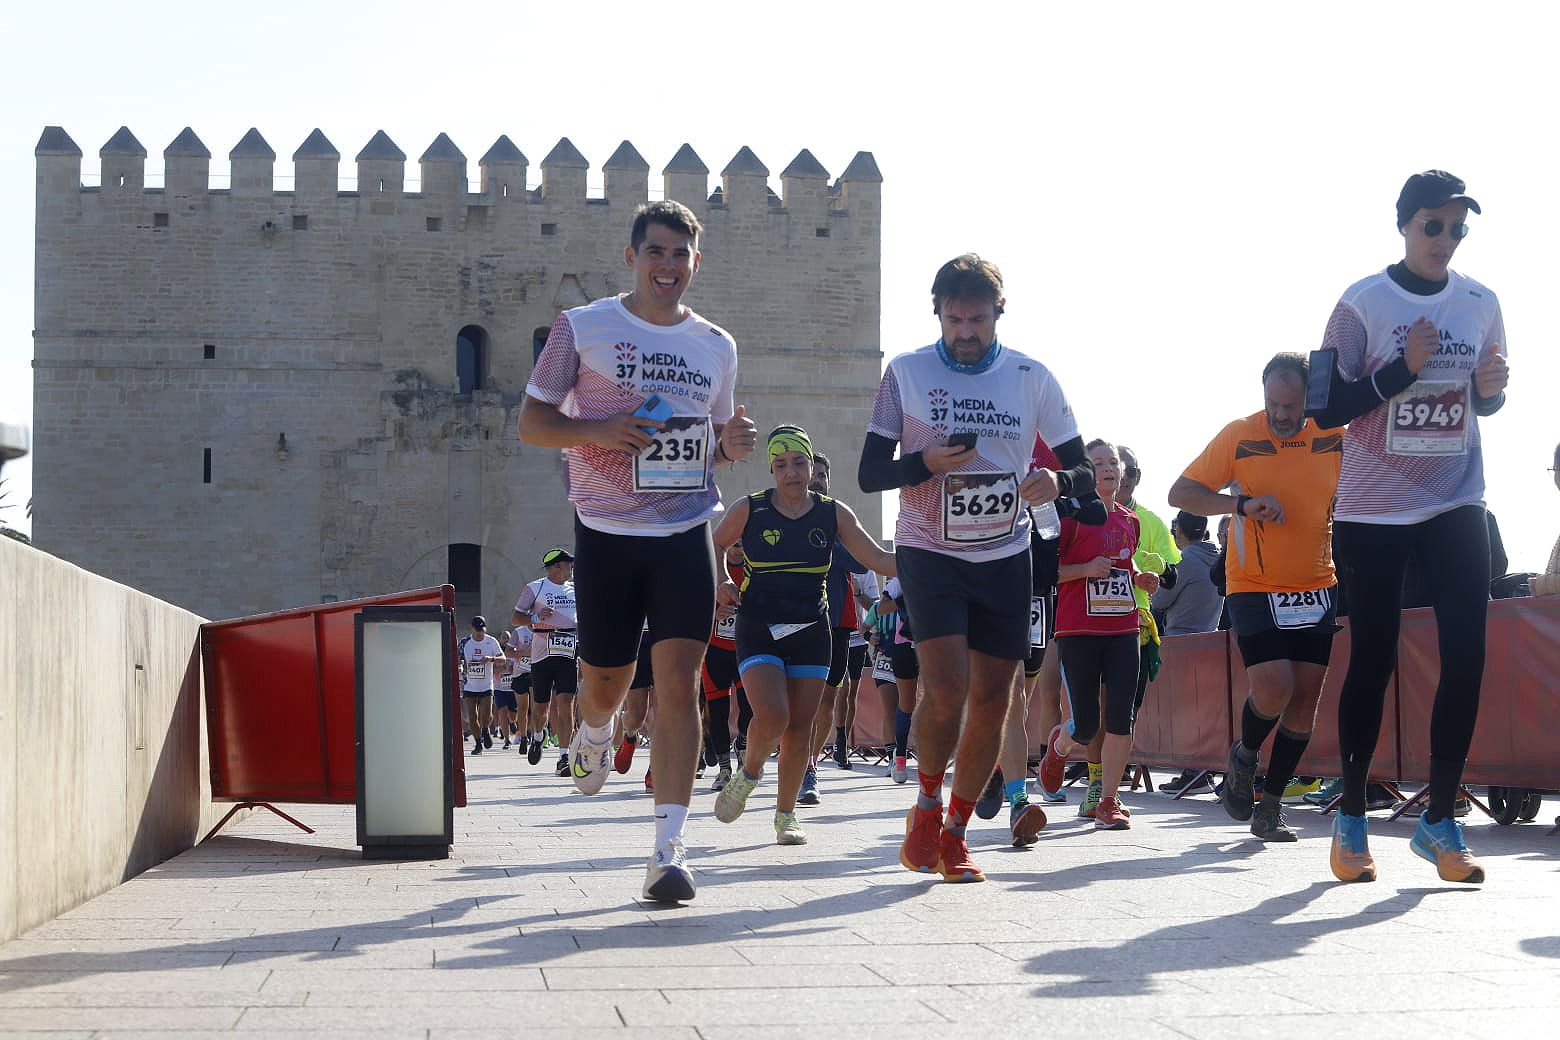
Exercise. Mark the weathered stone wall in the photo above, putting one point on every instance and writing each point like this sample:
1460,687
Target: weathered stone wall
332,316
103,764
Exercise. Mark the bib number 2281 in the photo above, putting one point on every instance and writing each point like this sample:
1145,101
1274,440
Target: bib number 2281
979,507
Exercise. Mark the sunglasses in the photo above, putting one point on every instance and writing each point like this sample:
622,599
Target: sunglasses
1434,226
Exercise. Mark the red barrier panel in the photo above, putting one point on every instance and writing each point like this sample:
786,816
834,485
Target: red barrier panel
1514,743
280,702
1185,721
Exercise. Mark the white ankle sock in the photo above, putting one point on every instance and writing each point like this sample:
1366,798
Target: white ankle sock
670,819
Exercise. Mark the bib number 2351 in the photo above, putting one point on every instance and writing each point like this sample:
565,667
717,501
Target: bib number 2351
677,459
979,507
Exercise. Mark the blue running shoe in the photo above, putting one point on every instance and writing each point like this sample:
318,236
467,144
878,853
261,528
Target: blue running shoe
1350,859
1442,844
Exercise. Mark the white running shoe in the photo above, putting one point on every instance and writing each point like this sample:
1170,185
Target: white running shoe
590,762
667,877
901,770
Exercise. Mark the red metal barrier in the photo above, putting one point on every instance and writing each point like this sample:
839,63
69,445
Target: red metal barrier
1514,743
1185,721
280,692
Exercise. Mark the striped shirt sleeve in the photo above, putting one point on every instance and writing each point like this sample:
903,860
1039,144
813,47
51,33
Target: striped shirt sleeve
557,367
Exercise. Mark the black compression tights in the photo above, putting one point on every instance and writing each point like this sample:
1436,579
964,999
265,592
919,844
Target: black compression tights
1086,661
1453,550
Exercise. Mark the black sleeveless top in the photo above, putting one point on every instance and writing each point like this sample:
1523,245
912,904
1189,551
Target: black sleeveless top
786,574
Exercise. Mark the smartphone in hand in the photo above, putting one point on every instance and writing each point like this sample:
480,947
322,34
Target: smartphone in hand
653,407
966,439
1318,384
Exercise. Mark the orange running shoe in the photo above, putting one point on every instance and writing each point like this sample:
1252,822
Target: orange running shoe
1111,815
1350,859
1442,844
625,754
649,782
1053,765
953,860
922,829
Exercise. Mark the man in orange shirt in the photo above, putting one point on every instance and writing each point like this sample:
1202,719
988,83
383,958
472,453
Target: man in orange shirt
1282,472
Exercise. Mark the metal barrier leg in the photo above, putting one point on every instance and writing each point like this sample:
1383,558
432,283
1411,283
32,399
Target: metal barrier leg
255,805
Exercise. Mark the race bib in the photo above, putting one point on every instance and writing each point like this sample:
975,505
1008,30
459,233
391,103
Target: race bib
726,627
979,507
677,458
1299,609
779,632
561,644
1429,418
476,669
1037,622
882,668
1111,596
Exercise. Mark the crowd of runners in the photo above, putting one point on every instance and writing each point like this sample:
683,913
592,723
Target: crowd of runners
1021,569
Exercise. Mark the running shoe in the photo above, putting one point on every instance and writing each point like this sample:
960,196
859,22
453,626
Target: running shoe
1025,822
625,754
533,755
842,756
1378,797
1350,859
1111,815
1052,773
990,801
1442,844
809,792
733,797
923,831
1267,822
901,769
787,830
649,783
953,860
476,747
592,762
1190,780
1330,790
722,778
523,742
1301,788
1091,799
710,760
1240,777
506,743
667,877
1052,797
487,740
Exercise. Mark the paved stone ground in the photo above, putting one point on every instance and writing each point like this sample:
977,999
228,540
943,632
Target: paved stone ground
1181,927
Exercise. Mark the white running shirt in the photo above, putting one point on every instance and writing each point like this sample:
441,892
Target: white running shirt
1434,462
974,512
600,360
544,593
479,655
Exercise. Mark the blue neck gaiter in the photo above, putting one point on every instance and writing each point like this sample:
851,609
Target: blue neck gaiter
989,359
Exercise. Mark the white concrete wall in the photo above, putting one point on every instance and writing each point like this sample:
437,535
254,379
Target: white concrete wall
103,765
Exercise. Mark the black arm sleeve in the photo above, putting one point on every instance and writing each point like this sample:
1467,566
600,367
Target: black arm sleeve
1076,478
880,471
1348,401
1488,405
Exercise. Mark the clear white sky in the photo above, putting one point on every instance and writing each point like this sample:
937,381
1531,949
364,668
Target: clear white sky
1173,191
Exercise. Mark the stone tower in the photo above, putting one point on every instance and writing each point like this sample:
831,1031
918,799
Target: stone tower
250,399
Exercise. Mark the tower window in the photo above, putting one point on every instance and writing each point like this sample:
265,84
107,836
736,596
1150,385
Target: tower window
300,222
538,341
209,351
471,360
206,467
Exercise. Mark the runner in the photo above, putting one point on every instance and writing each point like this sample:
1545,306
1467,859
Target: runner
864,592
905,667
504,703
1282,472
784,641
1428,344
638,391
1097,639
478,653
966,411
877,628
547,606
1157,555
719,674
1010,781
519,652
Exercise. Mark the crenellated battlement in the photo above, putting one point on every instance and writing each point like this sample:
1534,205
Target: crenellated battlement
443,178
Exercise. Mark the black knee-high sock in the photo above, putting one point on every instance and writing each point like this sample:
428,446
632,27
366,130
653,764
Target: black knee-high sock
901,732
1254,728
1287,749
720,729
1445,779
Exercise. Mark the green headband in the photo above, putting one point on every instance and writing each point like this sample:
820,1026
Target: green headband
789,438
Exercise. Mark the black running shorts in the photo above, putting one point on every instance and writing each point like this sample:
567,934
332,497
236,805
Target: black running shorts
505,698
521,684
839,657
1257,632
906,664
856,662
986,602
719,673
620,581
553,675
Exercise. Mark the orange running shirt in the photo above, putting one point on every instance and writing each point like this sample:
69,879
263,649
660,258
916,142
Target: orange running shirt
1302,473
